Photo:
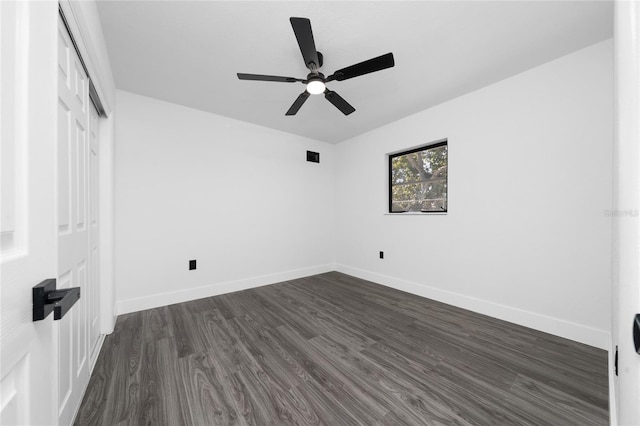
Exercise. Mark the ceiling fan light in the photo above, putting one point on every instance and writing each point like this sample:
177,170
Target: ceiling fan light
315,87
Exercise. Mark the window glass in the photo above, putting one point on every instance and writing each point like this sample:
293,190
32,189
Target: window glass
418,179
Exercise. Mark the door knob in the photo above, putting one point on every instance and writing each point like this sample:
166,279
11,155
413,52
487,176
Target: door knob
46,298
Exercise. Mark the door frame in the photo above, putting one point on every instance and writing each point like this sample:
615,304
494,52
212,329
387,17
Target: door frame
624,389
78,17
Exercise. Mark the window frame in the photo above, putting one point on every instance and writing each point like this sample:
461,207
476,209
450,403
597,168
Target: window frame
391,156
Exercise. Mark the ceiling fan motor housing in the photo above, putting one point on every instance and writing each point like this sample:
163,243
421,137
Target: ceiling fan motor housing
317,76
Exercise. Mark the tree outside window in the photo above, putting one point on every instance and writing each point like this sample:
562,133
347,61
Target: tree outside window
418,179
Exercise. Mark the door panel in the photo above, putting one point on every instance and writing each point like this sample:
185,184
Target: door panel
81,321
64,161
28,386
11,171
73,229
12,390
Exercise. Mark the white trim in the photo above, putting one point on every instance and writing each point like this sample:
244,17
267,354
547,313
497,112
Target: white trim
179,296
107,225
559,327
624,393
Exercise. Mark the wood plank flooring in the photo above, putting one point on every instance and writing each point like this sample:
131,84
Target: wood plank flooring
336,350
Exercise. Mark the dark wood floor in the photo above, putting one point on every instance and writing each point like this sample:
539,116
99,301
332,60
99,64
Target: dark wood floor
335,350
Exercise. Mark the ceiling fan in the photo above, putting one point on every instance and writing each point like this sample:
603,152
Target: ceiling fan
316,81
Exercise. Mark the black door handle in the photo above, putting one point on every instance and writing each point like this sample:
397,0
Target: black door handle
47,298
636,333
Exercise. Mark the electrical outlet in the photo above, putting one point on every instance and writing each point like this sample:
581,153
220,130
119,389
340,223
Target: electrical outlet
192,265
381,255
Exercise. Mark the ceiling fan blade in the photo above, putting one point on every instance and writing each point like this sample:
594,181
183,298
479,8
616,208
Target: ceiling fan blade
298,103
338,102
304,35
366,67
260,77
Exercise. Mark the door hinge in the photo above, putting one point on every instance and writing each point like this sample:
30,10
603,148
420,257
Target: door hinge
615,361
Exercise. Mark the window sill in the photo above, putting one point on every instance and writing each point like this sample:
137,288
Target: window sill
417,214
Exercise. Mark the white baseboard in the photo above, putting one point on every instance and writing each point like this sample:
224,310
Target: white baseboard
559,327
569,330
185,295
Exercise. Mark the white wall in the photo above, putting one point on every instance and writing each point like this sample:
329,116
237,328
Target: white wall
527,237
239,198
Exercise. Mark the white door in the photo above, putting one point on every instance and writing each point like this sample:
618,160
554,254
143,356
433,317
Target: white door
28,244
626,260
75,222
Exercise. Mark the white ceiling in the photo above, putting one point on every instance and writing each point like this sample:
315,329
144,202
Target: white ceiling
189,53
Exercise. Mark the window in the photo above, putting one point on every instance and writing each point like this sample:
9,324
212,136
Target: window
418,179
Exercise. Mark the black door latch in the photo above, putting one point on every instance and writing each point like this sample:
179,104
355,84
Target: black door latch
636,333
47,298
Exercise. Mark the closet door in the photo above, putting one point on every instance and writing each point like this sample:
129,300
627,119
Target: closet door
74,225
